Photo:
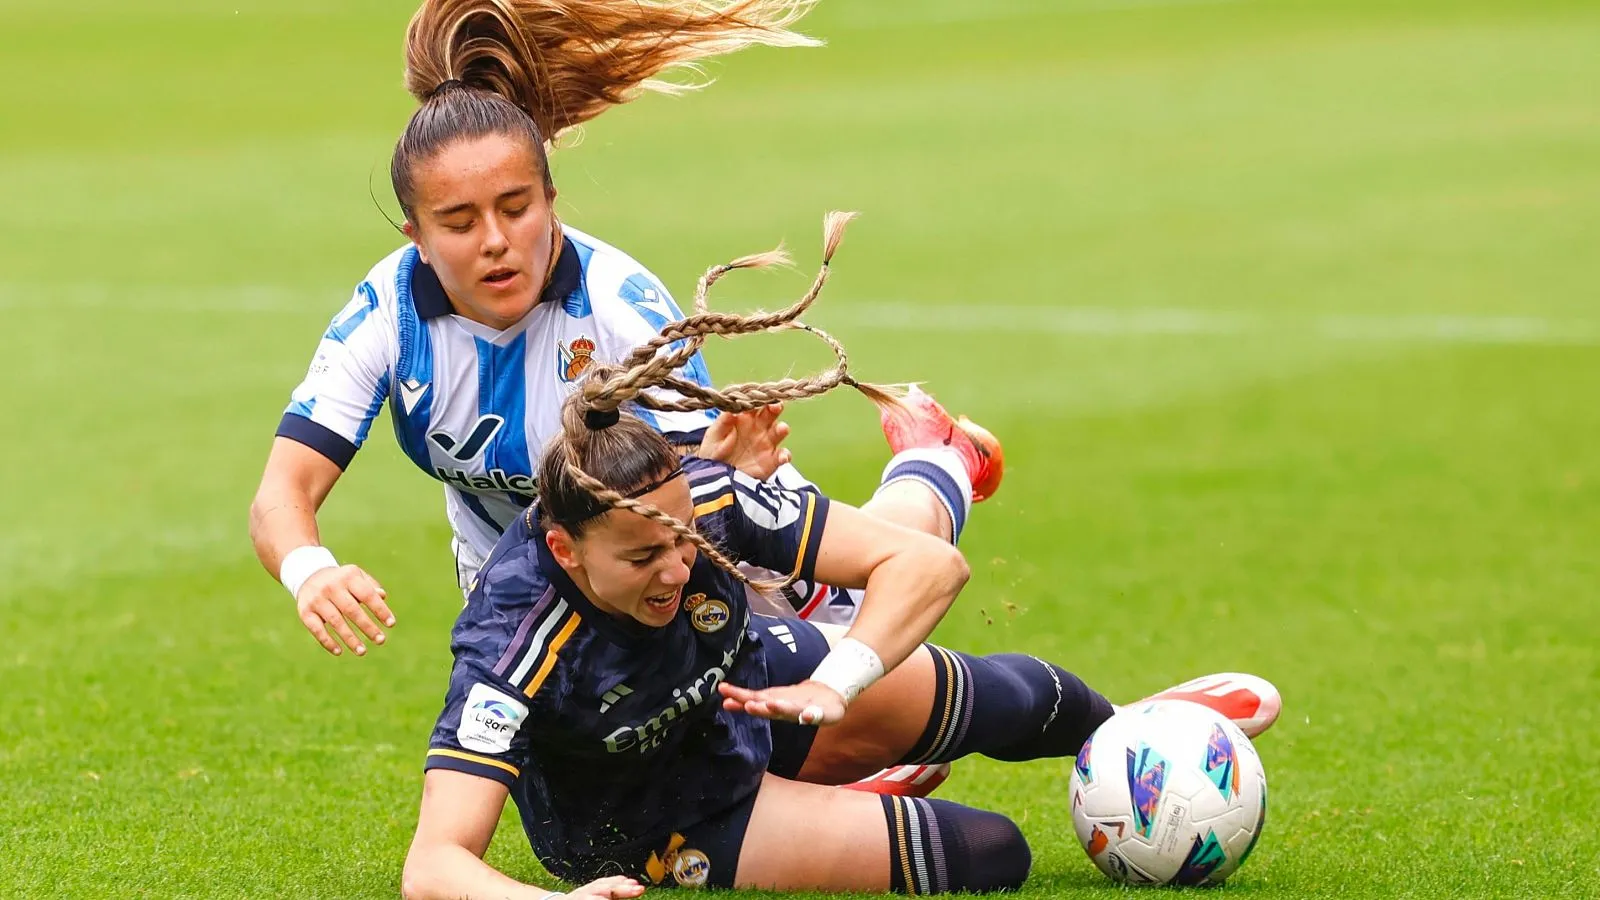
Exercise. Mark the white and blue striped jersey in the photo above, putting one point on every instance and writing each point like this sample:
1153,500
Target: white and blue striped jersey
471,406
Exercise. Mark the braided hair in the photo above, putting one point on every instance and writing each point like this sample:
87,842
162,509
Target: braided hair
605,457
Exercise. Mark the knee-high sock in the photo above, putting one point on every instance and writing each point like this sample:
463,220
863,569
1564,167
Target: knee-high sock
1009,706
938,847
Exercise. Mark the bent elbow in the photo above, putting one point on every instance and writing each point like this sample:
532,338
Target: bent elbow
413,879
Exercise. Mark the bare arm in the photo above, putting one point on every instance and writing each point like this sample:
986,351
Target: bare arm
458,818
283,516
911,579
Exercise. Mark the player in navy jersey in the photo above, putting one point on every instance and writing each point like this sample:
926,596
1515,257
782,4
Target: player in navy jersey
475,332
612,680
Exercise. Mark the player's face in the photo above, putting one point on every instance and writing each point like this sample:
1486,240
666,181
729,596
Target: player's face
635,567
483,222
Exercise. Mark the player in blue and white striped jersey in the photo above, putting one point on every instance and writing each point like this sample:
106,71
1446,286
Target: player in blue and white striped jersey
471,404
474,333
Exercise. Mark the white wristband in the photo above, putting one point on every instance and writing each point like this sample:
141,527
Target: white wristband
849,668
303,562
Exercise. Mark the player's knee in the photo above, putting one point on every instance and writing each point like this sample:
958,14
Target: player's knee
981,851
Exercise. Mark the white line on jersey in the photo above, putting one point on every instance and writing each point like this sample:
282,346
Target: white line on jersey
715,484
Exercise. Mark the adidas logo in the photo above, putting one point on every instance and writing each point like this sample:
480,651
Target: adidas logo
782,633
612,696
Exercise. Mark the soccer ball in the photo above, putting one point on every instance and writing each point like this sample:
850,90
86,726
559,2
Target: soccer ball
1168,792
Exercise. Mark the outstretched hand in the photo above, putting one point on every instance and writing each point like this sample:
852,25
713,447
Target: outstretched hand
807,703
748,441
613,887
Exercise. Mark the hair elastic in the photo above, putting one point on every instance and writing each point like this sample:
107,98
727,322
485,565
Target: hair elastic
445,85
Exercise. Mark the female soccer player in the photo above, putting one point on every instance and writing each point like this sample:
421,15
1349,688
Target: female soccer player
475,331
611,678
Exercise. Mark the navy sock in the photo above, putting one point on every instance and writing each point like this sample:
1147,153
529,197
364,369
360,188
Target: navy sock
1009,706
938,847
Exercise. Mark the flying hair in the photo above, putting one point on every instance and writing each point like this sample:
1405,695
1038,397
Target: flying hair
566,61
604,454
535,69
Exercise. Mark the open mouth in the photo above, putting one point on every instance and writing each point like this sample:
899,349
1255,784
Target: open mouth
500,276
663,602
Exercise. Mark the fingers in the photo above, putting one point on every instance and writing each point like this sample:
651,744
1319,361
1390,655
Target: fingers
615,887
374,596
350,606
768,705
329,605
785,711
738,699
332,614
737,694
313,624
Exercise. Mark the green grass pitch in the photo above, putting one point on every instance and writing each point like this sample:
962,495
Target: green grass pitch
1285,311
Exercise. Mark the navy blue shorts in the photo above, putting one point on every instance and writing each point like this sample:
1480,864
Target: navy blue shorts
707,852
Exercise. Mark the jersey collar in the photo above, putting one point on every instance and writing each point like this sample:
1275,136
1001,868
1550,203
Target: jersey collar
431,302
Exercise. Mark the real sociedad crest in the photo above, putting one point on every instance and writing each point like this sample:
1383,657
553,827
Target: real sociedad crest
575,358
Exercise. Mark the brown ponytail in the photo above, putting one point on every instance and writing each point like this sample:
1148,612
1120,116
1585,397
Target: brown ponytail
536,68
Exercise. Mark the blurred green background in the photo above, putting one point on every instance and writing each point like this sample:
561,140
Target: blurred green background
1285,311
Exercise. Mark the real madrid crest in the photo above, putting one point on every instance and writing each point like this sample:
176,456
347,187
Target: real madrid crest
574,359
706,614
691,868
687,866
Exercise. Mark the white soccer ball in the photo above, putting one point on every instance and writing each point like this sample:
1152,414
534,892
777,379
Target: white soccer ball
1168,792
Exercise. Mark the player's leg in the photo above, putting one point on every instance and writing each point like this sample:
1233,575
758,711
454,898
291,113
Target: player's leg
935,707
945,705
941,466
925,437
812,837
939,706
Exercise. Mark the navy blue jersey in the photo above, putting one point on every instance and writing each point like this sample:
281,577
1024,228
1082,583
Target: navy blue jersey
609,733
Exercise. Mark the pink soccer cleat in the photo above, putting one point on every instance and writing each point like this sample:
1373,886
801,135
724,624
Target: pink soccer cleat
919,421
1251,702
904,781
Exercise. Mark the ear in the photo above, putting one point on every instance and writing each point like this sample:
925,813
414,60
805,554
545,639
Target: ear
409,229
564,548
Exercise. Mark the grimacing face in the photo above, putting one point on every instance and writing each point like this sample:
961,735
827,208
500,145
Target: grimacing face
483,222
628,565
